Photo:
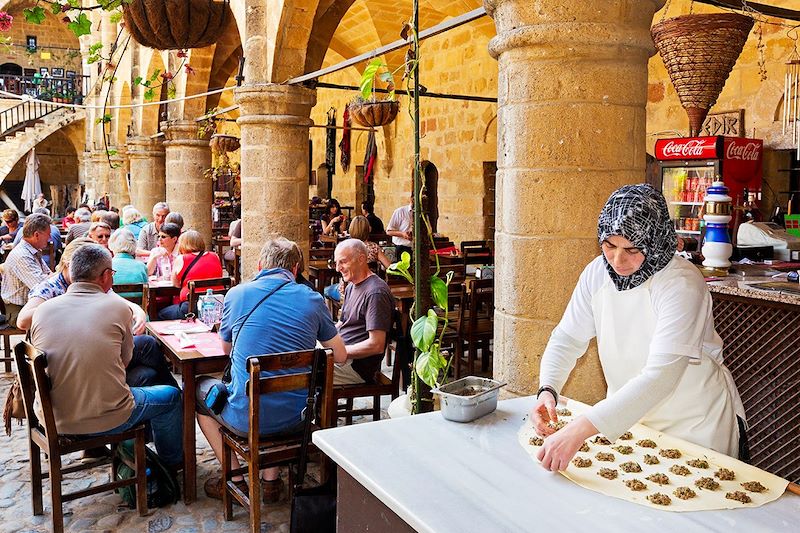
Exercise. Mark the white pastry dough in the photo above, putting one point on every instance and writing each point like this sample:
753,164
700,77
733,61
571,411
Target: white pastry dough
588,477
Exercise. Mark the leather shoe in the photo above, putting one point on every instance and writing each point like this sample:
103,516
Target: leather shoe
213,488
271,490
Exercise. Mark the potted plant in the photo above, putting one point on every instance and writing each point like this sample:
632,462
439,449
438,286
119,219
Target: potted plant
365,108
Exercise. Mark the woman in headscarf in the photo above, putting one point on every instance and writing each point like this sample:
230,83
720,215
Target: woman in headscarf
650,311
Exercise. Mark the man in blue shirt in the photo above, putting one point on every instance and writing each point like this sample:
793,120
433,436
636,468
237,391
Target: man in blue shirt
291,318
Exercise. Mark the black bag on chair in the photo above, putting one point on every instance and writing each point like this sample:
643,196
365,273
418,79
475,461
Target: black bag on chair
313,509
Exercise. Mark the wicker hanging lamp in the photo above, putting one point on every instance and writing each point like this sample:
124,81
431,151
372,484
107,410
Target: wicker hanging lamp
176,24
699,52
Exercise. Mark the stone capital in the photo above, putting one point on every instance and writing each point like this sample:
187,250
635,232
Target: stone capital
144,147
184,133
276,101
563,28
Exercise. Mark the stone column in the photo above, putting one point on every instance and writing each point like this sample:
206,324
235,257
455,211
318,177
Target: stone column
148,173
572,89
101,172
188,191
118,178
274,124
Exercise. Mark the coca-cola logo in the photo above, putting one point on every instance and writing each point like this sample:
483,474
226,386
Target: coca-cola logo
745,152
693,148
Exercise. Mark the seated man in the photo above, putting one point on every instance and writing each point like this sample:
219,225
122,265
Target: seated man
81,227
90,396
55,236
366,315
25,268
148,237
148,365
271,314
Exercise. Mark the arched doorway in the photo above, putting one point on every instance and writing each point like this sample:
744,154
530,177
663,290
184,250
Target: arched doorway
10,69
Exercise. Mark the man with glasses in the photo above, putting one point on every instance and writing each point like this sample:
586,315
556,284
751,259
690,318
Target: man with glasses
148,237
88,388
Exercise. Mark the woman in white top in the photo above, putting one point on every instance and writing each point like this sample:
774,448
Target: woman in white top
650,311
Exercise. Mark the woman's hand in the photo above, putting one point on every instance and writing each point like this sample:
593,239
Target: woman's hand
543,412
560,447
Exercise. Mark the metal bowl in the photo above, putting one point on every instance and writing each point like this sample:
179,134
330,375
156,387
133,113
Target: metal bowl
468,398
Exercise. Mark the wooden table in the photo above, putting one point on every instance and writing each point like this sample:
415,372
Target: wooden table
158,289
446,477
191,363
321,274
404,299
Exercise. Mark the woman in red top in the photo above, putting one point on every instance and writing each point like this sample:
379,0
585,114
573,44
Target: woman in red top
187,267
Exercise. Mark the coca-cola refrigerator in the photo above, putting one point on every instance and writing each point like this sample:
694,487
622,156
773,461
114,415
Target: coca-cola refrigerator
689,165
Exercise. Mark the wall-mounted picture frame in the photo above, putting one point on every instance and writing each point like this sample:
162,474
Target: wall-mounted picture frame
44,71
28,72
30,42
57,72
71,74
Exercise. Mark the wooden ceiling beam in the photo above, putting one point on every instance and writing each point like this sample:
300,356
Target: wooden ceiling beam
771,11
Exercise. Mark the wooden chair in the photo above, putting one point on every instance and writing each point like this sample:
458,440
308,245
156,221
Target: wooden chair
315,254
261,452
133,292
383,385
33,379
7,333
198,288
476,253
475,325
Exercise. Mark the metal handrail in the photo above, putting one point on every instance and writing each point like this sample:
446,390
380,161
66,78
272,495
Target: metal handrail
21,115
67,89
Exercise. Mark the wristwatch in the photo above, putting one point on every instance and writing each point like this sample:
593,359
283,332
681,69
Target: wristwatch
547,388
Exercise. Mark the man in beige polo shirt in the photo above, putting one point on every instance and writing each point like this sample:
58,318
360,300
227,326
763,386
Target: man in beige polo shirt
86,361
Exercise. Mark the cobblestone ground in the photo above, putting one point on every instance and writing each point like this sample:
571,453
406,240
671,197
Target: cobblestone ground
106,512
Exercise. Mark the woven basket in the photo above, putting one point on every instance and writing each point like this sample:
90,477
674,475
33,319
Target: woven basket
223,144
373,114
699,52
176,24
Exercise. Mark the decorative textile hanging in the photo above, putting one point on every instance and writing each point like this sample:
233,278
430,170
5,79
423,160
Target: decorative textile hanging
344,145
370,157
330,148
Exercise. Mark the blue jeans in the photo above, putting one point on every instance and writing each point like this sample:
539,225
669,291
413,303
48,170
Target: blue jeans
332,292
174,312
148,365
160,405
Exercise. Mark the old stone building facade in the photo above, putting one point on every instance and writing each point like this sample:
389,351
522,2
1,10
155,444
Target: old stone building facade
579,101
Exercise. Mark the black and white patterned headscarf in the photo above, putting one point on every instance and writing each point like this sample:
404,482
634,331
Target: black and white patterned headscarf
639,213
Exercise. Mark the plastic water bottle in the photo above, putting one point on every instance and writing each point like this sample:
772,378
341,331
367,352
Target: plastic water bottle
164,267
210,308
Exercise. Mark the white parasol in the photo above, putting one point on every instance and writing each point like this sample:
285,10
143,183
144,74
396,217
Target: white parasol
33,185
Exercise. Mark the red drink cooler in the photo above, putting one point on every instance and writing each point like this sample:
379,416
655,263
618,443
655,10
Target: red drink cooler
689,165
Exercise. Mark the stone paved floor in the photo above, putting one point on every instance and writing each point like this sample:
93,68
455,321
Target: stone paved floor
106,512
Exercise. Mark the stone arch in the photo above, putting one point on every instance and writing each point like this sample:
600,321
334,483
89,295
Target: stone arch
123,115
150,113
11,68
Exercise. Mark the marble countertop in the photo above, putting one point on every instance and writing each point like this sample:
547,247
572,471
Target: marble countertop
442,477
744,280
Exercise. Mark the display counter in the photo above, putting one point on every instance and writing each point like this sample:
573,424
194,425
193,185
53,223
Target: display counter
761,334
423,473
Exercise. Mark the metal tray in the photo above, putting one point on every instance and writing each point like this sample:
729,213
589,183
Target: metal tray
480,398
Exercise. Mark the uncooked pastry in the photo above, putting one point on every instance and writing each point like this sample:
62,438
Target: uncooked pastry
650,459
738,496
630,467
680,470
608,473
659,499
754,486
725,475
603,456
670,453
661,479
684,493
646,443
582,462
698,463
623,485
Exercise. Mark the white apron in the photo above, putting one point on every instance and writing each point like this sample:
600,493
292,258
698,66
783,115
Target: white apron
703,407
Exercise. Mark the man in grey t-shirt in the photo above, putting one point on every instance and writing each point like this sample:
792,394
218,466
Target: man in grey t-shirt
366,316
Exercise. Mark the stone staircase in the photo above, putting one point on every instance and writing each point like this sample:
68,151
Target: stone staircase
15,146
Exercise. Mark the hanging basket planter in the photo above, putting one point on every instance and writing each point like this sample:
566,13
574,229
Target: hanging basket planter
699,52
176,24
374,114
223,144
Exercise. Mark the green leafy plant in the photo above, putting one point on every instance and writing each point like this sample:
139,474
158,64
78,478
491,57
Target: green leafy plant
367,83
